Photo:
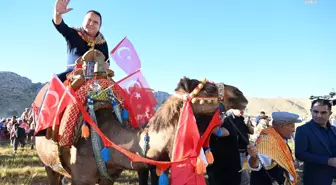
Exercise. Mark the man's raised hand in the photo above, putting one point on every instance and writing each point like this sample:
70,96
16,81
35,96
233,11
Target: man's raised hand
61,6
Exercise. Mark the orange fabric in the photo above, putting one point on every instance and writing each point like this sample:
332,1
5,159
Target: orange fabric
273,145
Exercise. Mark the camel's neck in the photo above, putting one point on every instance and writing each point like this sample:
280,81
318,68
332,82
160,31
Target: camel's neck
161,131
120,135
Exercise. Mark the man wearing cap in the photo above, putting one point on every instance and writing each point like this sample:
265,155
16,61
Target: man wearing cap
270,160
315,145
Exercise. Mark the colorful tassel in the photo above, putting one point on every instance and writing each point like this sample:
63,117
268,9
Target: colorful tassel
124,114
163,179
158,171
105,154
209,157
219,132
85,131
200,166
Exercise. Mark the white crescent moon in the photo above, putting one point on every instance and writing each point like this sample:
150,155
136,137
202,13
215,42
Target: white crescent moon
54,93
132,83
128,57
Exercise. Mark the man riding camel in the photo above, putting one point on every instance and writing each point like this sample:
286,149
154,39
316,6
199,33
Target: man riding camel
79,40
271,160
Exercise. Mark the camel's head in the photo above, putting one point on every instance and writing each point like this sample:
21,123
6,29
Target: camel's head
204,95
231,97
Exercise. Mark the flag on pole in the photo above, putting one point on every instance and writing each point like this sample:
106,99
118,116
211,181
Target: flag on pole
56,99
126,57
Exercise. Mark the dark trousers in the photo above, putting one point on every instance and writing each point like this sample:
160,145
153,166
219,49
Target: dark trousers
144,173
223,174
19,140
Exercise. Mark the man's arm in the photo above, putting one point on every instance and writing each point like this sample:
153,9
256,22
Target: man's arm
61,8
57,17
301,149
254,159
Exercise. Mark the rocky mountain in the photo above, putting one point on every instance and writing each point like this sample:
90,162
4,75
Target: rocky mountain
18,92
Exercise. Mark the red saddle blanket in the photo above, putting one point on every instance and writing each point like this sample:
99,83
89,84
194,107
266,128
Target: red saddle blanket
69,117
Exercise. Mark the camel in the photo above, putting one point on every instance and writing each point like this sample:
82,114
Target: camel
79,160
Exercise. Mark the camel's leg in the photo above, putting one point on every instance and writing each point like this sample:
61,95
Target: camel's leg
53,177
114,174
154,176
143,176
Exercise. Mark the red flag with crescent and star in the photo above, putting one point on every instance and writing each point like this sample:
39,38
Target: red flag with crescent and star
126,57
57,97
139,98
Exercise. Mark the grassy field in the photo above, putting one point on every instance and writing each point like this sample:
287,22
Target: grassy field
25,168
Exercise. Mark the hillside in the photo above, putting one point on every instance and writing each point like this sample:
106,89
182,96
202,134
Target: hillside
18,92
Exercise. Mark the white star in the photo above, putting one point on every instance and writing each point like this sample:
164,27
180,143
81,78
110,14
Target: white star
137,95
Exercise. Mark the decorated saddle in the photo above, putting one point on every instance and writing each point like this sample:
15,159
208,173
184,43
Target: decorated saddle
90,75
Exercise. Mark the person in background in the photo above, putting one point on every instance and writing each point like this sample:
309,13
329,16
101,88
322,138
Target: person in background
315,145
19,135
270,160
243,130
226,167
262,115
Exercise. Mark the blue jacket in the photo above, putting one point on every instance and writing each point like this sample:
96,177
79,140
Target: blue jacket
314,145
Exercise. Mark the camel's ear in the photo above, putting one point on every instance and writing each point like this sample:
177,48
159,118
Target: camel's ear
183,84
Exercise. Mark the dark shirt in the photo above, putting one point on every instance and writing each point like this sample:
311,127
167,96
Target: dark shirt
242,127
76,45
225,169
329,137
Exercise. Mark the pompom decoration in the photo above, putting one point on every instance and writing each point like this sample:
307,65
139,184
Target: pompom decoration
219,132
202,101
163,179
158,171
209,157
105,154
200,166
193,100
85,131
124,114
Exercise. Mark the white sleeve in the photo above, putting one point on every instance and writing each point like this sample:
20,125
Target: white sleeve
264,159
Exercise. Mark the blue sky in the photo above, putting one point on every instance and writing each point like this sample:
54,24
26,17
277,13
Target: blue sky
267,48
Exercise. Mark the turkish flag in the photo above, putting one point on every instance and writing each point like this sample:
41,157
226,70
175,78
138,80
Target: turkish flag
126,57
56,99
186,145
138,97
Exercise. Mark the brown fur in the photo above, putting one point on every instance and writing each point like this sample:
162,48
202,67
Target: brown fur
162,128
